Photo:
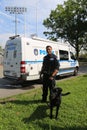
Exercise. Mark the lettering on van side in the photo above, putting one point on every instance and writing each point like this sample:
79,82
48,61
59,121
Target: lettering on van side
11,46
40,52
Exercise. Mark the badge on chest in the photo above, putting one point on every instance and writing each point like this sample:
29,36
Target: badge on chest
51,59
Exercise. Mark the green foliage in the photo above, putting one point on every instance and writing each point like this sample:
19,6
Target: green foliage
69,21
0,48
26,112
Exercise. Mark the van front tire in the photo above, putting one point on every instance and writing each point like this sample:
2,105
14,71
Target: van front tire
76,71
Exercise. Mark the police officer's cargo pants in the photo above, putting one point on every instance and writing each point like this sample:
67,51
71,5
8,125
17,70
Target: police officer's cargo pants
47,83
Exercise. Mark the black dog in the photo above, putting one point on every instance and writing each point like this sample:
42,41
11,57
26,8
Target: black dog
55,100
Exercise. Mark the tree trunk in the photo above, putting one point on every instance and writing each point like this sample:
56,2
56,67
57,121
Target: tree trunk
77,50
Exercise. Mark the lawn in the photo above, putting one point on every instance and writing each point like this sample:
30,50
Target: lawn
26,112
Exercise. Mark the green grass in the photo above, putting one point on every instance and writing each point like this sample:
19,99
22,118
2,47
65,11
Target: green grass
26,112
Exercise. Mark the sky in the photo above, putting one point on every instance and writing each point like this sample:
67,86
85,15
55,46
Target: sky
28,23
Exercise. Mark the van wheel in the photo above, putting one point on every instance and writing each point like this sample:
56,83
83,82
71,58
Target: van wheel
75,72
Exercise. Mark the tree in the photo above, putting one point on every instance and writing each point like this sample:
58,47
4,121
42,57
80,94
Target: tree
68,21
0,48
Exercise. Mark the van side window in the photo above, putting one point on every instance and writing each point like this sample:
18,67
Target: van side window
72,56
63,55
14,54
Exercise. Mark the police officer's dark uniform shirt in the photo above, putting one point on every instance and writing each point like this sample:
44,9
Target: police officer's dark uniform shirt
50,63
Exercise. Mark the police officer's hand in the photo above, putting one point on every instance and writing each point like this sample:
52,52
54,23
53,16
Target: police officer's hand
41,77
51,78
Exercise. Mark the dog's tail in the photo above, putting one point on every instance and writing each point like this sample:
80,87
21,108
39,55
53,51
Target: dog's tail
64,94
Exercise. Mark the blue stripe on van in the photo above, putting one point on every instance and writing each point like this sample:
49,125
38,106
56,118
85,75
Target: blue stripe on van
42,61
33,61
72,62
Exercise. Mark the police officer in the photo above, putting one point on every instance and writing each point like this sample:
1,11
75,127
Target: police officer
49,70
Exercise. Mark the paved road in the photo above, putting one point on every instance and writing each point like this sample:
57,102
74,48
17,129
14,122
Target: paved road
83,69
6,89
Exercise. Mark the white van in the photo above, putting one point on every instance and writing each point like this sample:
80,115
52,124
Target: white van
23,57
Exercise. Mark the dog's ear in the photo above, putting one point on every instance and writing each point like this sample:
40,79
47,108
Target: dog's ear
59,89
54,89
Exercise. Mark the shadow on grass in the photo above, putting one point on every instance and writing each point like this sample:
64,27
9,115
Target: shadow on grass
37,114
85,75
49,126
53,127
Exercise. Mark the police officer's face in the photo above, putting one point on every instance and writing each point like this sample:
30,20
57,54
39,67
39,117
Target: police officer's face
49,50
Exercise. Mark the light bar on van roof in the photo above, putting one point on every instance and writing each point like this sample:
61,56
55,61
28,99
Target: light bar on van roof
13,37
